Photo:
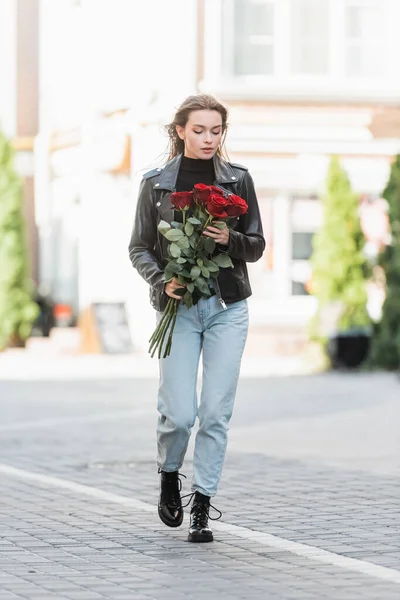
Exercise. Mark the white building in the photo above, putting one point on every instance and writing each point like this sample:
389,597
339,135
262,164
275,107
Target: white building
305,79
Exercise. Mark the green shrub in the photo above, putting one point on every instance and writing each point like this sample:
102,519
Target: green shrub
17,310
340,268
385,350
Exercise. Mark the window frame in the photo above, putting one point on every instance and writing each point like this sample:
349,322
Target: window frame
282,81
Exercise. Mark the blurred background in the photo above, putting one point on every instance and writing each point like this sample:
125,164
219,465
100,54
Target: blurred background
86,87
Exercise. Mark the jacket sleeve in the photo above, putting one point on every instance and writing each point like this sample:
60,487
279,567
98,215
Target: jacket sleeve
247,242
144,237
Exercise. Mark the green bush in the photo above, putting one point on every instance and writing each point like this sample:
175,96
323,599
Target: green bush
339,266
385,350
17,310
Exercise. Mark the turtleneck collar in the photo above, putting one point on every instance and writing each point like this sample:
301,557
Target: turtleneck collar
197,164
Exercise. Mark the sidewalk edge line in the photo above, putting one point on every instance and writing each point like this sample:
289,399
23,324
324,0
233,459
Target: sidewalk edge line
265,539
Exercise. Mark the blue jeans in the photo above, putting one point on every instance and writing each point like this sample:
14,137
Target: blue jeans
221,336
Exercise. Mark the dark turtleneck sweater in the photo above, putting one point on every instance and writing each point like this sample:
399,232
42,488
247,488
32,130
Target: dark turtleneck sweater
194,170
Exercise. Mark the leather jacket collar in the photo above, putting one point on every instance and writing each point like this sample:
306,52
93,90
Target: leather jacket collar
167,179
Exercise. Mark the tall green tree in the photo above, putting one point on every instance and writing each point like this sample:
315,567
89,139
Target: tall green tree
385,350
340,268
17,310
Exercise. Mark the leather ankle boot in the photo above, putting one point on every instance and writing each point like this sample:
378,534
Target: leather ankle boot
170,506
199,515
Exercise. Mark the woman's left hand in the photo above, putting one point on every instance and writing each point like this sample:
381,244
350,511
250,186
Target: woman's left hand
221,236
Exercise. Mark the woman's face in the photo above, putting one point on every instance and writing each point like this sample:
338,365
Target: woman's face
202,133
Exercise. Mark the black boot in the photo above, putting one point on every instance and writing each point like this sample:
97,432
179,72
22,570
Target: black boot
199,530
170,506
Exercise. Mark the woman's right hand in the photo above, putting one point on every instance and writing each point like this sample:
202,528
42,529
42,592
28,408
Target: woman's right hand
170,288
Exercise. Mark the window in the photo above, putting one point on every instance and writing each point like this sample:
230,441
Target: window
365,39
305,220
252,49
283,40
310,36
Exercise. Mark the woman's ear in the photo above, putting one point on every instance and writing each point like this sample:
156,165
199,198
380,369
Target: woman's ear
180,131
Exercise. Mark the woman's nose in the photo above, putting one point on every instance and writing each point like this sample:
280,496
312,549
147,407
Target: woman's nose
207,137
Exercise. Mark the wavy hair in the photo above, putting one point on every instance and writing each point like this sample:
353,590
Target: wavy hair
197,102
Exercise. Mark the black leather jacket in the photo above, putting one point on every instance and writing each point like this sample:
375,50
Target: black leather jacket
148,248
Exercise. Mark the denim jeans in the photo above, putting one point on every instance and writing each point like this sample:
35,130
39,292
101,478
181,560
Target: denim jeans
221,336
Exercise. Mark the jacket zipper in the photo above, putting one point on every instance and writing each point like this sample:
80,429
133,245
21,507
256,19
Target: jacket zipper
220,298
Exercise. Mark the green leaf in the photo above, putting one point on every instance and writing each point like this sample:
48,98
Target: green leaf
200,262
195,272
174,250
163,227
185,273
190,287
209,245
194,221
201,284
205,272
188,299
174,267
174,235
181,260
211,266
177,225
183,242
180,291
218,225
189,229
223,260
168,275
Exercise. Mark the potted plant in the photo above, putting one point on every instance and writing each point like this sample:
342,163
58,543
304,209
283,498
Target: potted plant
340,270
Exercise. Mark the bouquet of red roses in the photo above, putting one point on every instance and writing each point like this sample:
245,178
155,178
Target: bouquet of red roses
191,258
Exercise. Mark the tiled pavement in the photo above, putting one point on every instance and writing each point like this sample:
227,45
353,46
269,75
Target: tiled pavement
78,515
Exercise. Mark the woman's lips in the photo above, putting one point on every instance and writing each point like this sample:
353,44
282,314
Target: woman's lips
208,150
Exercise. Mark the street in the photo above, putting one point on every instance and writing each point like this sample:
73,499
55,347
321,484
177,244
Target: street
310,492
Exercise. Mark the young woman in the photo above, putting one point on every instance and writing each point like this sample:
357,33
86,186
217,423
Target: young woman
216,326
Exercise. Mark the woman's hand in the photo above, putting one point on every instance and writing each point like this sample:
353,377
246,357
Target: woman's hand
219,234
170,288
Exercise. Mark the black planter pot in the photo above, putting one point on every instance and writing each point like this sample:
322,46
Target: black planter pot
348,350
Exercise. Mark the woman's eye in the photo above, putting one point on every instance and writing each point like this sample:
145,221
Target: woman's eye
198,132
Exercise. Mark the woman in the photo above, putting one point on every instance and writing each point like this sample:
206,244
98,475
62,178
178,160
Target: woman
216,327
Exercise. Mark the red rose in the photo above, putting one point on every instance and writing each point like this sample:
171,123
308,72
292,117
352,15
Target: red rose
182,200
201,193
216,206
237,206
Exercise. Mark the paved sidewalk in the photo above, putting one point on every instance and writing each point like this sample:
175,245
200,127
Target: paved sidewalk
78,516
20,365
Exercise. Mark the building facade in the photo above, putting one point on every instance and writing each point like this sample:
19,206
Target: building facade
303,79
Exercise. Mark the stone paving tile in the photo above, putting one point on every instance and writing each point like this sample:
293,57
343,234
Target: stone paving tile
60,544
170,569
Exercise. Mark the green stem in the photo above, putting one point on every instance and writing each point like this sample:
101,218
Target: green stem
169,342
166,328
162,324
166,321
159,326
158,342
209,219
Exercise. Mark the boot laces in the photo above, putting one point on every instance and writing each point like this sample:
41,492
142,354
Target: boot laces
201,509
